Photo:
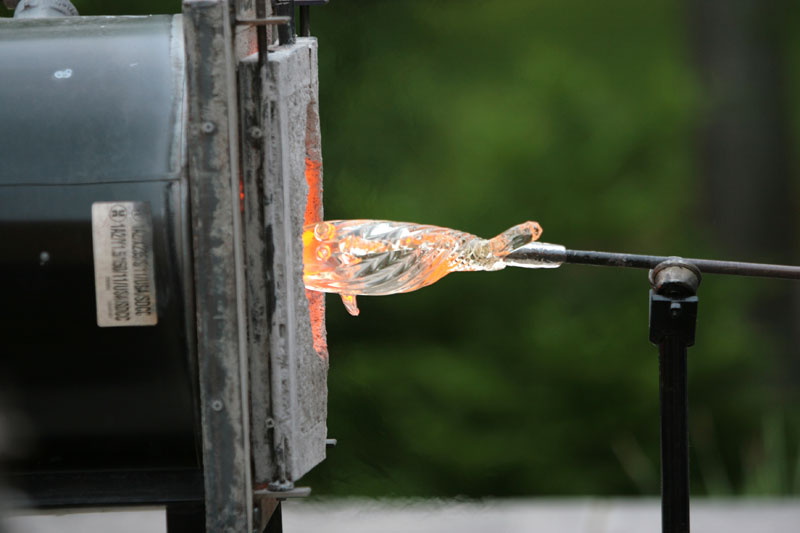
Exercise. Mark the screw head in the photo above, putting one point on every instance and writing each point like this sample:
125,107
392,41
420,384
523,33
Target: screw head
216,405
208,127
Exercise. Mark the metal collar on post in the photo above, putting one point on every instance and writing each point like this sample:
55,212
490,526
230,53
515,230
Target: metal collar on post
673,301
675,277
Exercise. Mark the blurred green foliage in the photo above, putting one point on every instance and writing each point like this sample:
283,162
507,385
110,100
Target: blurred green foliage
583,116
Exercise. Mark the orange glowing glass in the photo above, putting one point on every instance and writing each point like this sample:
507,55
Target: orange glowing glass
380,257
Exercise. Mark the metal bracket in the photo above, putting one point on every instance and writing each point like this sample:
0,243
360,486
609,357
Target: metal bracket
294,492
267,21
267,513
673,304
672,317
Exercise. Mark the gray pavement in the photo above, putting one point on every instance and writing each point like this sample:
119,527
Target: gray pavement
540,515
429,516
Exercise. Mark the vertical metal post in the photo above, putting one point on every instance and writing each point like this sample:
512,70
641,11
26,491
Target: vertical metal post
305,21
263,10
674,436
286,32
673,316
213,164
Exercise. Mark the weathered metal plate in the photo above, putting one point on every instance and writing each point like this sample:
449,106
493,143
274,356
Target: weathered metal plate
125,287
298,358
213,164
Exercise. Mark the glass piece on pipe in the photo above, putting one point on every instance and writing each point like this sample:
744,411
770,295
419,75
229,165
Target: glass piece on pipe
380,257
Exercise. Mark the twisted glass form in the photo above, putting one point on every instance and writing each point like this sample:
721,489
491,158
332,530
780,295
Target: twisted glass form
380,257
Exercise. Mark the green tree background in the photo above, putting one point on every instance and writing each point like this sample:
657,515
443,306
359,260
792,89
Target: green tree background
583,116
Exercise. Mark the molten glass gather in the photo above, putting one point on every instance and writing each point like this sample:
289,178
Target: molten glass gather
379,257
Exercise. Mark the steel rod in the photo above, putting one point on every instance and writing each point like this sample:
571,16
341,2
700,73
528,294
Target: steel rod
706,266
305,21
286,33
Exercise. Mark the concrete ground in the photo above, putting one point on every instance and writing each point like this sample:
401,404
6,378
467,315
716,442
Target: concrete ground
425,516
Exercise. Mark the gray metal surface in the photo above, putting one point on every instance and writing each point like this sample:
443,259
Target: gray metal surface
254,135
219,274
107,104
298,374
77,126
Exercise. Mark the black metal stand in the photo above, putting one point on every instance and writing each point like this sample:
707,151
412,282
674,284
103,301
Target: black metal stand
673,316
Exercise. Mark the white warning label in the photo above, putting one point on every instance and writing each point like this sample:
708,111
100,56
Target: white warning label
125,286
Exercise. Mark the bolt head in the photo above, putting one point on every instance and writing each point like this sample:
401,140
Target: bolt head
675,277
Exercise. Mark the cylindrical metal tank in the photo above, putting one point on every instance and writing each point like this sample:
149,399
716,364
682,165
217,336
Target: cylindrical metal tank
92,112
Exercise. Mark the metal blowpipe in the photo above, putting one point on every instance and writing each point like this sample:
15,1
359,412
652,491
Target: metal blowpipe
381,257
543,255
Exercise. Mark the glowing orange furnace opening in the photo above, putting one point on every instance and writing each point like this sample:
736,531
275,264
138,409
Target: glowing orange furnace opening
313,214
